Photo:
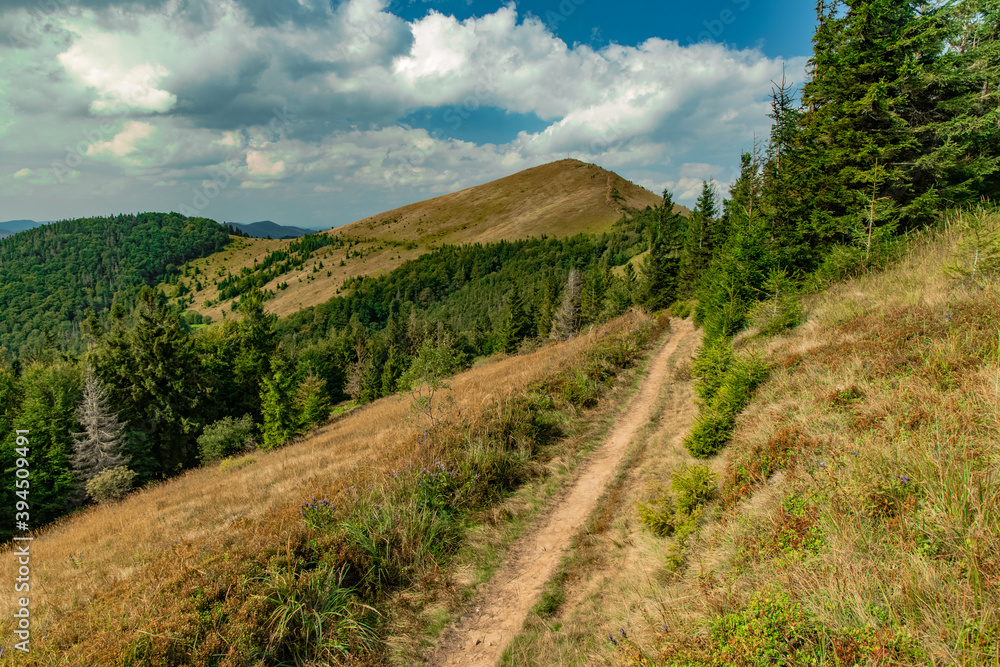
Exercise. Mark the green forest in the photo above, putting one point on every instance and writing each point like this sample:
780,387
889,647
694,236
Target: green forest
51,277
898,121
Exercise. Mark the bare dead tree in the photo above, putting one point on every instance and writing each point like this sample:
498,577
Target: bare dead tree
101,444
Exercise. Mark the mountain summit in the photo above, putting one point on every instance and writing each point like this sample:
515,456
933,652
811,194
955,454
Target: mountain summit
559,199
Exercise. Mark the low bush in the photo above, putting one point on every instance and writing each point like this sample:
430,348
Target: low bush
716,420
680,309
668,513
225,437
709,366
111,484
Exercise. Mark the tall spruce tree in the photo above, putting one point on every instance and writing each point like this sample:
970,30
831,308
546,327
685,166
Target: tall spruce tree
738,270
153,374
515,324
48,411
663,261
863,104
699,243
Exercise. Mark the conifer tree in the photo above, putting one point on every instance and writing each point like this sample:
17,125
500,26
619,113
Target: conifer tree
277,404
699,242
153,374
515,325
566,321
662,264
864,104
51,392
311,401
101,444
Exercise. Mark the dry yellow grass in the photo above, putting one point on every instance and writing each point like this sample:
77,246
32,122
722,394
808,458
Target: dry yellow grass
122,554
557,199
860,495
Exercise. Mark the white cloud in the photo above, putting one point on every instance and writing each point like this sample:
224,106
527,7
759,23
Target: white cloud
128,147
115,68
262,164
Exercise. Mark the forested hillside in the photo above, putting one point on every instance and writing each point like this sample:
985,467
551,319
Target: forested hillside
899,120
175,400
53,276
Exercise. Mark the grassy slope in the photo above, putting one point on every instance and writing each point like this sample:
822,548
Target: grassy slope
558,199
215,531
858,515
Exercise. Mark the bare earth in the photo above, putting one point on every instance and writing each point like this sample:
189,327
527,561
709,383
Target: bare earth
501,606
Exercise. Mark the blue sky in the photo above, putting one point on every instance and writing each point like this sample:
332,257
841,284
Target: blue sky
316,114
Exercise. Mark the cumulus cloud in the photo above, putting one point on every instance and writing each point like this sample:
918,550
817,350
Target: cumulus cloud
128,147
301,97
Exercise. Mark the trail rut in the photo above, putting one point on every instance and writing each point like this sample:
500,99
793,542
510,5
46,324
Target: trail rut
501,606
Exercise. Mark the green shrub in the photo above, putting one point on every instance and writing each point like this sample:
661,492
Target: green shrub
694,486
111,484
781,310
717,418
739,384
710,364
680,309
710,433
659,513
674,513
225,437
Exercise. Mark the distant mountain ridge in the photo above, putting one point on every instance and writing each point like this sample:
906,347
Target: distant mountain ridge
14,226
265,228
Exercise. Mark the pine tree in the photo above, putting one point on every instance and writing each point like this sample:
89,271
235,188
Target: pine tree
733,281
864,104
962,128
699,243
595,285
515,325
277,405
51,392
101,444
663,262
782,188
311,402
566,321
152,372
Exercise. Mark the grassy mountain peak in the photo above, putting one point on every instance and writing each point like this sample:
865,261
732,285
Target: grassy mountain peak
558,199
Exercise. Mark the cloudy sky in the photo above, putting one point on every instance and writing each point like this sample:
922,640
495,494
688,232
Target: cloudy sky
319,112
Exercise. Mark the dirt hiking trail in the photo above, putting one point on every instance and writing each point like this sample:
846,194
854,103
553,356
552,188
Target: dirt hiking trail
495,616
